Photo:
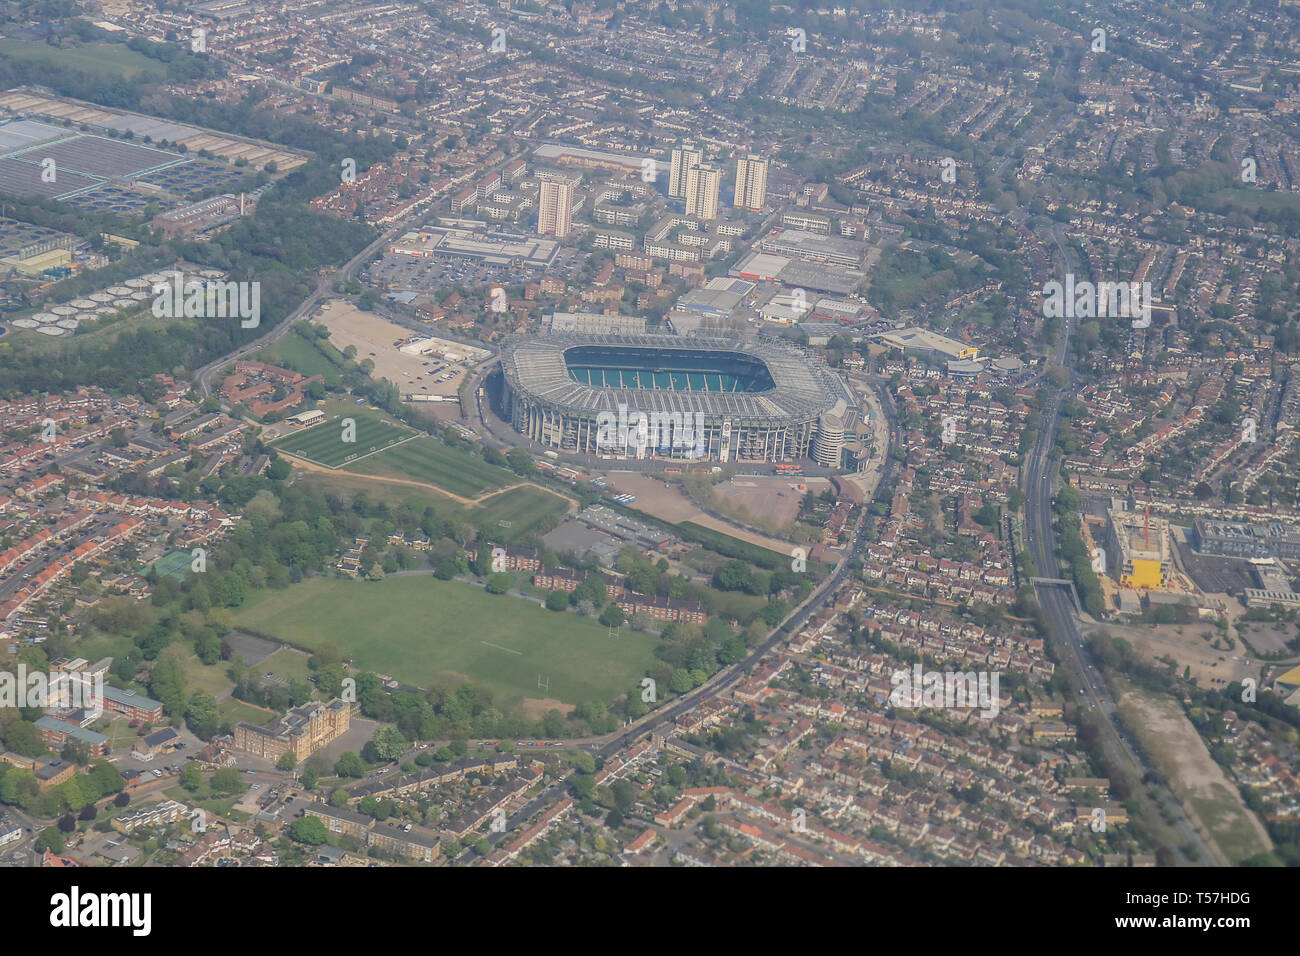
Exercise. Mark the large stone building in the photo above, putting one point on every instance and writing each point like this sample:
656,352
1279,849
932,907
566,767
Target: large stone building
302,730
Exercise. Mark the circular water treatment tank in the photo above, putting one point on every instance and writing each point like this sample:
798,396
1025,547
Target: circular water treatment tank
153,277
69,324
100,297
136,283
45,317
26,323
52,330
63,310
118,290
82,304
123,302
212,273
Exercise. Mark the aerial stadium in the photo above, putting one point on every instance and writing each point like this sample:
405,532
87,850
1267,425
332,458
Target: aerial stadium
703,399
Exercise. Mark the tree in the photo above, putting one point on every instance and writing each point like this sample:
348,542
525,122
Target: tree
192,777
591,589
624,792
613,616
227,782
50,839
389,743
167,684
122,799
350,765
108,779
288,761
202,716
67,823
500,583
521,462
309,830
557,601
680,682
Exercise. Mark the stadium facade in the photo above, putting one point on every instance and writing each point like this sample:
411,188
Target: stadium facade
663,396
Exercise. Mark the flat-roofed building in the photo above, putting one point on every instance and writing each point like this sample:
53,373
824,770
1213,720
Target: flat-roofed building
683,157
931,346
1140,547
702,185
1239,539
751,183
555,207
131,705
313,416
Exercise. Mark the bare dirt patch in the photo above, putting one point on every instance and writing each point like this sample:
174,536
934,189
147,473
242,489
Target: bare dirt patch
536,707
1183,759
773,502
667,503
375,339
1192,650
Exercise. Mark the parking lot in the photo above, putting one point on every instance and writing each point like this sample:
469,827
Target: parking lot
403,273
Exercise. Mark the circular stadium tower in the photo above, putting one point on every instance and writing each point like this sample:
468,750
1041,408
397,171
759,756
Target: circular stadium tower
663,396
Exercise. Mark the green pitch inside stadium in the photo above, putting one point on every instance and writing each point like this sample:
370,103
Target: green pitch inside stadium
668,369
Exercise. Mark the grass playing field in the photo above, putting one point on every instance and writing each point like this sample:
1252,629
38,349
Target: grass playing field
106,57
325,443
429,460
174,564
507,515
421,630
295,352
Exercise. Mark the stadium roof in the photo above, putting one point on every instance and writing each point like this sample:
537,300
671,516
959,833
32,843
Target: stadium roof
802,389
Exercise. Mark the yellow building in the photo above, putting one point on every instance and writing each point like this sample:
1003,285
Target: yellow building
1138,549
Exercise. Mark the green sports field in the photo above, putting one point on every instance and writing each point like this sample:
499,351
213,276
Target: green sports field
511,513
506,515
429,460
114,58
324,444
421,630
174,564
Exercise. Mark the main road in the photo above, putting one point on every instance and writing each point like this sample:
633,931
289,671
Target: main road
322,290
720,682
1058,607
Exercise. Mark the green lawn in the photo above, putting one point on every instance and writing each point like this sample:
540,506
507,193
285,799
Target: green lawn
113,57
511,513
1251,201
119,732
219,806
523,508
324,443
421,630
286,663
426,459
209,678
295,352
232,711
